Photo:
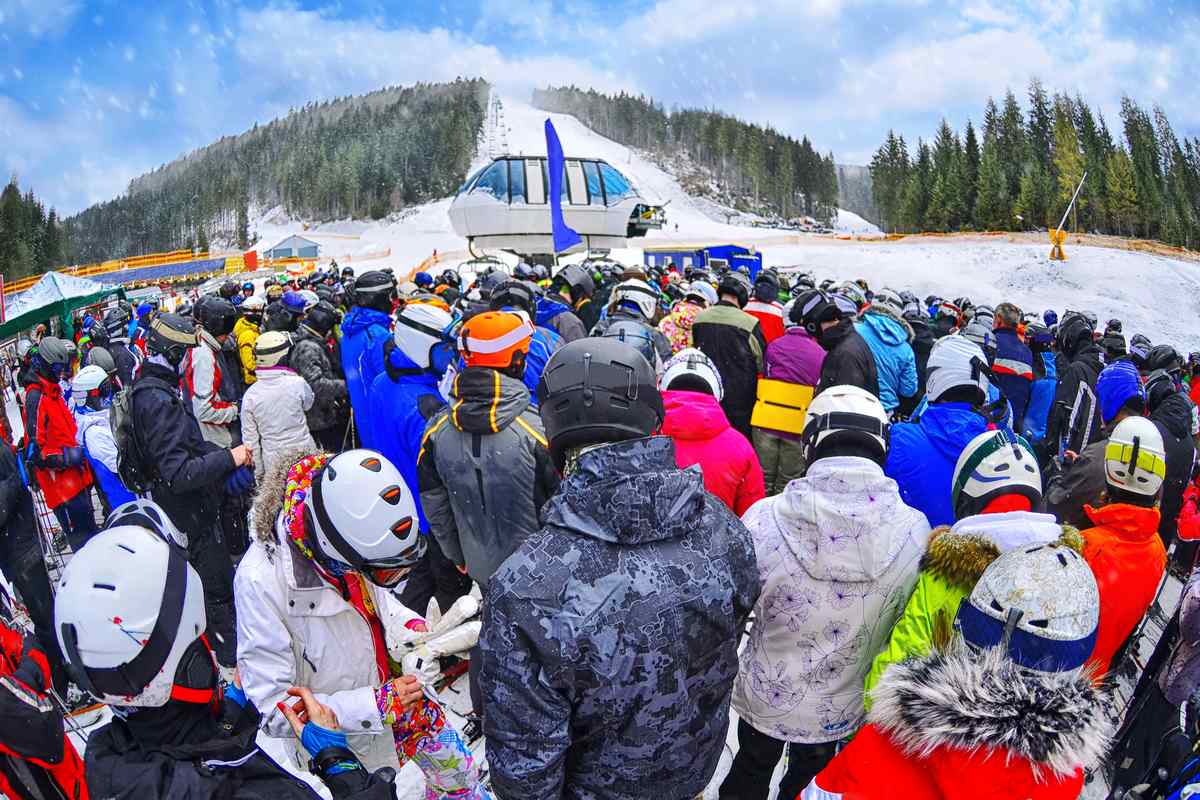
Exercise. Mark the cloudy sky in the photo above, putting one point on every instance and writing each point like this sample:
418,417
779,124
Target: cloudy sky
95,93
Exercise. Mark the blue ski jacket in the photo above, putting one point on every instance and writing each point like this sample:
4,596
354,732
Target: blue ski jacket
895,361
364,330
402,398
923,454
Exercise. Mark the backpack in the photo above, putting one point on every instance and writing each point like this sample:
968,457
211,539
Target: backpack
131,464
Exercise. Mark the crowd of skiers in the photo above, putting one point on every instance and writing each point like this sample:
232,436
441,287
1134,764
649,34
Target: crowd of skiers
909,541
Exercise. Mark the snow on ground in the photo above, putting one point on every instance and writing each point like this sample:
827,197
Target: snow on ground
849,222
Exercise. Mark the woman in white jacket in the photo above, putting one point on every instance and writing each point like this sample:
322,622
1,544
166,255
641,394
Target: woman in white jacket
315,609
838,553
273,408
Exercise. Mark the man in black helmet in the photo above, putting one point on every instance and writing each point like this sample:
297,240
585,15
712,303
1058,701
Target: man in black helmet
568,306
1074,420
610,636
127,356
365,328
734,341
313,358
188,475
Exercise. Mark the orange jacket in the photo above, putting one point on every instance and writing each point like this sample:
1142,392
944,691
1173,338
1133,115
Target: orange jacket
1128,560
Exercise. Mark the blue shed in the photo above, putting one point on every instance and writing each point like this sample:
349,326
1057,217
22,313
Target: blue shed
734,256
295,247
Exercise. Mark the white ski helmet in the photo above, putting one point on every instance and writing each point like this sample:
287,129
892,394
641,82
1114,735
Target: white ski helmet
253,304
993,464
637,292
691,370
129,614
954,362
845,414
310,298
422,328
363,514
888,298
146,514
1040,605
88,379
271,348
702,290
1134,458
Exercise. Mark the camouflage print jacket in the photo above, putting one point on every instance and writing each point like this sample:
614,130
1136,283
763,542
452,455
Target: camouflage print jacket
610,636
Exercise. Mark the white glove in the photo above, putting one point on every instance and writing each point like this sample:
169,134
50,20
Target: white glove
402,640
422,661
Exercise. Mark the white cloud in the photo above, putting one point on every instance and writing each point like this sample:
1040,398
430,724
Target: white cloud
38,18
18,74
129,53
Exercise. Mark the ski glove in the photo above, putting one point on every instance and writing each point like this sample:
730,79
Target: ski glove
239,482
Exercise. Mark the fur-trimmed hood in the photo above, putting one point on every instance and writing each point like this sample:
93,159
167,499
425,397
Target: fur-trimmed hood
969,700
268,500
884,311
960,554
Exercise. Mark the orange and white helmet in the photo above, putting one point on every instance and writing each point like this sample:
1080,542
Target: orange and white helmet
493,339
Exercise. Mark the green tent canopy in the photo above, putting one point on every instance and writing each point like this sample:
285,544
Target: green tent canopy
55,295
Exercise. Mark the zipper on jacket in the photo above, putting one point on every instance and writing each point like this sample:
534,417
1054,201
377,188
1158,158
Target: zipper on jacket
477,451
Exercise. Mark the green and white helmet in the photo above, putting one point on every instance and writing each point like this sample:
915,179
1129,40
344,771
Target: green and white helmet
993,464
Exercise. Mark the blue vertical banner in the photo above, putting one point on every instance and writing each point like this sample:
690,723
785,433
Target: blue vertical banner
565,237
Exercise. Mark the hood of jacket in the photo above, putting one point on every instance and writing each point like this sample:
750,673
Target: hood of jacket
1175,414
483,400
851,505
629,493
87,418
1130,522
830,338
271,492
547,310
970,701
886,325
359,318
950,426
960,554
692,415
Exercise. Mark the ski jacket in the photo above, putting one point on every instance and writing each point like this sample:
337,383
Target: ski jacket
927,738
51,435
128,359
1076,485
769,316
1182,674
794,357
1128,560
37,759
96,439
923,454
922,344
1013,370
610,636
1084,368
888,336
484,471
201,371
837,552
1041,399
1173,418
542,345
849,360
18,526
312,359
273,416
187,469
246,333
296,629
364,331
185,751
677,325
703,436
402,401
734,341
559,318
950,568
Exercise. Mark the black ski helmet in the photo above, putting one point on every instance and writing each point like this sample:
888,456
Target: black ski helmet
116,322
375,289
576,279
766,286
1074,331
171,336
321,318
736,284
597,390
229,290
514,294
216,315
1164,357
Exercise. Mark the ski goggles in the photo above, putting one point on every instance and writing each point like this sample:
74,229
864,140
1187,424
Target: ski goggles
1136,457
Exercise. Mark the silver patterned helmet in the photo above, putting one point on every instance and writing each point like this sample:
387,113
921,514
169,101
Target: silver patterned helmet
1039,604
